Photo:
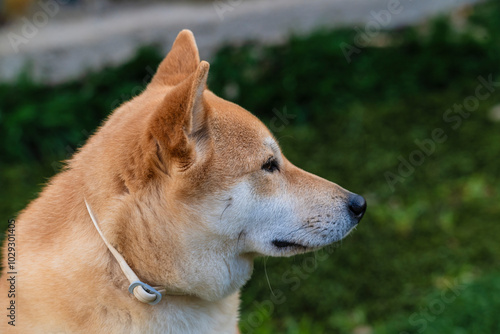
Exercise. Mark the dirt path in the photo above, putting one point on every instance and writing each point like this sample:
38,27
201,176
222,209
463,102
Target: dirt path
60,46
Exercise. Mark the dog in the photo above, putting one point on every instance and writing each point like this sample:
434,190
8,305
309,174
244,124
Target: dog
178,190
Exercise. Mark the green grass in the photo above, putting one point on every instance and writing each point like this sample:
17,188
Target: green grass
463,307
348,122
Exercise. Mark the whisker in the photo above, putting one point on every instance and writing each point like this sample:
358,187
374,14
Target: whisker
228,205
267,276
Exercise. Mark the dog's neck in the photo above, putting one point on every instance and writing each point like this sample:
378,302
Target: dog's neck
170,256
173,314
141,291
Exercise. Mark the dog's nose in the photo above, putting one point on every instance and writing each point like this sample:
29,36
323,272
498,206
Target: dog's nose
357,205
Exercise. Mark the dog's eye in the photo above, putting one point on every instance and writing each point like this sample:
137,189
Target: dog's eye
270,165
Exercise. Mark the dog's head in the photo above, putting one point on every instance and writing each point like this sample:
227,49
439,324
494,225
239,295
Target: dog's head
204,186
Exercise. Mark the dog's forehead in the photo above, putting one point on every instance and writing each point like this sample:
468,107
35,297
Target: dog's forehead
272,144
238,131
229,120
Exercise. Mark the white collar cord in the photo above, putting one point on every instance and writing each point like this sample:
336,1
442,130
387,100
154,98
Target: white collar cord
142,291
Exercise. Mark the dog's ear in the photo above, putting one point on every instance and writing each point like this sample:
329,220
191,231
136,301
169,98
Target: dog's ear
180,62
179,123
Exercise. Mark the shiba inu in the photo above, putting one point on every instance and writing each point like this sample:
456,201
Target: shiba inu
186,189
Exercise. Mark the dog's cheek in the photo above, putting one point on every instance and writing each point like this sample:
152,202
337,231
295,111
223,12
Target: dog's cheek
265,185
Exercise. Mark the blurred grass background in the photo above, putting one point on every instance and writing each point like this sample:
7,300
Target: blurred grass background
424,258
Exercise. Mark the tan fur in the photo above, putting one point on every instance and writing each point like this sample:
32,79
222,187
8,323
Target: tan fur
160,174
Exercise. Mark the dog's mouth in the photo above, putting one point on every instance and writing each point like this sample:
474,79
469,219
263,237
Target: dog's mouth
287,244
